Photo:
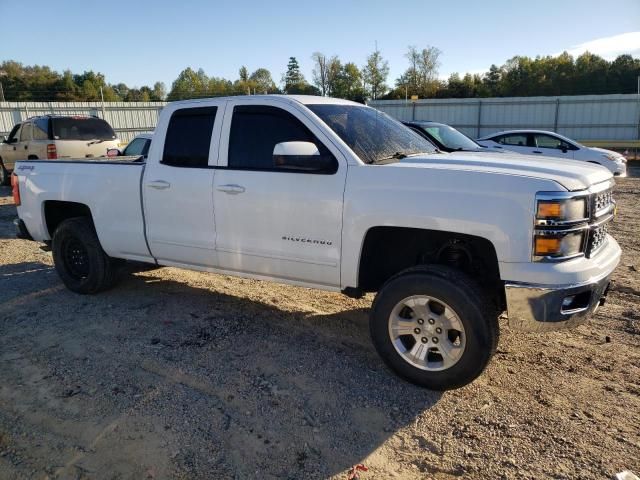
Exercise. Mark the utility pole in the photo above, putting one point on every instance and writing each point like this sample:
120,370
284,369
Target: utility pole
3,100
102,97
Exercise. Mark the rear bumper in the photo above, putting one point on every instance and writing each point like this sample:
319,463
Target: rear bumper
541,308
21,230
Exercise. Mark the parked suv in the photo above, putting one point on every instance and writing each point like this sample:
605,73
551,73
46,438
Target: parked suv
52,137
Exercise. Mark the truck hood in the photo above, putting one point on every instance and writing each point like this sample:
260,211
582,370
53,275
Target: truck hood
571,174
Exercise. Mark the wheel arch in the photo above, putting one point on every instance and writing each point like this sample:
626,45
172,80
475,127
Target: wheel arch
386,251
57,211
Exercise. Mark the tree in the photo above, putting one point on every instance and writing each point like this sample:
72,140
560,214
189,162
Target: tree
189,84
421,78
375,74
159,92
293,79
320,72
263,81
492,80
244,74
334,71
349,84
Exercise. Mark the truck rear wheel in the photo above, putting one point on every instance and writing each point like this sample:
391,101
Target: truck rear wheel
434,327
79,259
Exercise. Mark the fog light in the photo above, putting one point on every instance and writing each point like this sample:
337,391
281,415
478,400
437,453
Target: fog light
566,303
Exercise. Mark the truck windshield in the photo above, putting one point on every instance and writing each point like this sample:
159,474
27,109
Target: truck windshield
81,128
372,135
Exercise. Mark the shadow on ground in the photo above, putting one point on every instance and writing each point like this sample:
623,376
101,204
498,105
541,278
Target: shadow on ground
162,378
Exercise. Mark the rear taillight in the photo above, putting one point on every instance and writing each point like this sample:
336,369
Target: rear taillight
15,189
52,153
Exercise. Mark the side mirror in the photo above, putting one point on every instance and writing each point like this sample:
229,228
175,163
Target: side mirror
113,152
563,148
302,156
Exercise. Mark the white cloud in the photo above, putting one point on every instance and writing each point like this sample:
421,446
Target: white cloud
609,47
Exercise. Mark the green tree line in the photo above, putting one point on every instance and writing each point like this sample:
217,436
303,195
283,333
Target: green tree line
519,76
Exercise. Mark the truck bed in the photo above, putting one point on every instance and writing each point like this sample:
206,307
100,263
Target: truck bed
110,188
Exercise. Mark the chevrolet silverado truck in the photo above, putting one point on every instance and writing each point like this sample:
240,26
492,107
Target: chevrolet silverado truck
334,195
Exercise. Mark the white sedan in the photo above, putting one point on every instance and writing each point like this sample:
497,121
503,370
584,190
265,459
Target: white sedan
540,142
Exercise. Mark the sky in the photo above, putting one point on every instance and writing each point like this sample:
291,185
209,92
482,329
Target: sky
139,42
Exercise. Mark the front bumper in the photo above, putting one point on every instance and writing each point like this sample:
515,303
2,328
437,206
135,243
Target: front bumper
542,308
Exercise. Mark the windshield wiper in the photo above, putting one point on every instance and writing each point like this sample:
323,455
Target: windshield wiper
401,155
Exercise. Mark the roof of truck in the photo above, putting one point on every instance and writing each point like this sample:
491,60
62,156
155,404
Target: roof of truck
304,99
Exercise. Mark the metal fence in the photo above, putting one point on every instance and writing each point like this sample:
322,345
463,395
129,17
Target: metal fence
594,118
128,119
604,119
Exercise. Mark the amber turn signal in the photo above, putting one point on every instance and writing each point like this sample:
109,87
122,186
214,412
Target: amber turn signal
549,210
547,245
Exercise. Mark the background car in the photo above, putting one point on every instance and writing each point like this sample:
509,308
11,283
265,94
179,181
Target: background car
540,142
445,137
136,147
51,137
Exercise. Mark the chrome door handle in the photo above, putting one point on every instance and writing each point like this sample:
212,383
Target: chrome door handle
159,184
231,189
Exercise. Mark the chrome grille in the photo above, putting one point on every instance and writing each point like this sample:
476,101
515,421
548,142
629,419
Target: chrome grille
602,202
597,239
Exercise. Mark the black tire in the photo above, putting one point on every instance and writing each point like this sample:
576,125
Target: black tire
468,300
5,176
79,259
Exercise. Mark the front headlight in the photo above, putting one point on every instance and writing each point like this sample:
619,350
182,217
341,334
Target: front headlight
561,225
558,244
614,157
554,211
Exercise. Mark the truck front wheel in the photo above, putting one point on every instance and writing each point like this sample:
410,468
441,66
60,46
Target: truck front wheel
79,259
434,326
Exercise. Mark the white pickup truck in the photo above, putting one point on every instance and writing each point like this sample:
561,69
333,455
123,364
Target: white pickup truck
334,195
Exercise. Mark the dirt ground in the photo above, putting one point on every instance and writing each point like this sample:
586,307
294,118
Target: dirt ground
176,374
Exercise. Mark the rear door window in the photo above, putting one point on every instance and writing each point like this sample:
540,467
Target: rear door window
549,141
41,129
188,137
516,140
81,128
25,133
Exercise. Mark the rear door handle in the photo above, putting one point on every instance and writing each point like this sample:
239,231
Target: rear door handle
231,189
159,184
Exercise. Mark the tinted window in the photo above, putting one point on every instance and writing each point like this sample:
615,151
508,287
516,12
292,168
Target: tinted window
451,138
41,129
548,141
25,133
517,140
255,131
372,135
189,137
138,146
81,128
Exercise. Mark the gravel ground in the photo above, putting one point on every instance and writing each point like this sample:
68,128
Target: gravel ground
176,374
